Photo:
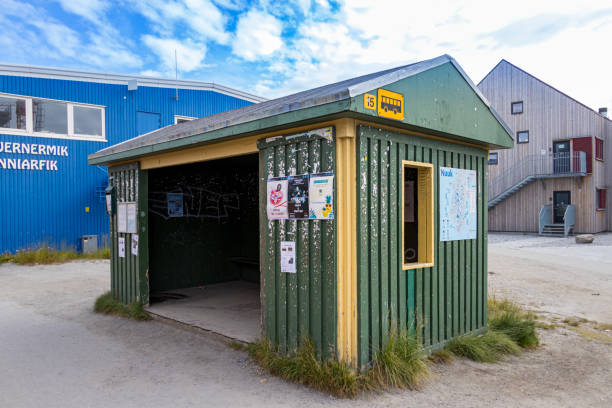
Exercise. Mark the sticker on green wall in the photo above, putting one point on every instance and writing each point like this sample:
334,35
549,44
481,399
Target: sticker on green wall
276,198
297,206
287,250
321,188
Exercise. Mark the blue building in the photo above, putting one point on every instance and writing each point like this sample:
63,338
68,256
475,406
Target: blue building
52,119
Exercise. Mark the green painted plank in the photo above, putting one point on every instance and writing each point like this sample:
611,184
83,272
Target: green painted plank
394,240
474,262
479,315
426,276
448,274
328,263
292,235
383,226
268,259
363,249
436,268
485,245
461,272
315,242
373,217
281,278
303,260
407,318
468,266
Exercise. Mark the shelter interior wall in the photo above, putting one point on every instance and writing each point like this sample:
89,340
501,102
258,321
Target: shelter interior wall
219,223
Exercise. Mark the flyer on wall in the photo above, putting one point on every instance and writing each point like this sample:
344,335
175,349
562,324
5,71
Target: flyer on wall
298,197
121,247
135,244
321,193
287,256
277,198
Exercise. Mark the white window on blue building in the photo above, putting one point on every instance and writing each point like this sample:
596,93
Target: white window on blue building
27,116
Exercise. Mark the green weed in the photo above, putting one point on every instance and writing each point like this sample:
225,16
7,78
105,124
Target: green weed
490,347
48,255
107,304
508,318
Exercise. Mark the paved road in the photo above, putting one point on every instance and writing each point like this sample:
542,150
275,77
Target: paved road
55,352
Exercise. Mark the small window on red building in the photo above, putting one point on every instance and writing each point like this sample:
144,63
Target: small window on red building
601,199
599,149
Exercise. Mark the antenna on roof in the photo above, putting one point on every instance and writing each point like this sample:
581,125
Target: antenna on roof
176,74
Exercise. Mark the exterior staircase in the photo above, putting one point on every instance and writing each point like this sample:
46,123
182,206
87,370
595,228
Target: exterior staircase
553,230
507,193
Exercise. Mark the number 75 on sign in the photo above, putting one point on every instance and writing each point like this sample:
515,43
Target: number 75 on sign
369,101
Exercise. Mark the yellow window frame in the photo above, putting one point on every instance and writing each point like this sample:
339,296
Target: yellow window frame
425,214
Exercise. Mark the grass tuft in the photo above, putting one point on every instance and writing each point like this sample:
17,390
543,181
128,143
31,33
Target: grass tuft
400,364
48,255
508,318
490,347
107,304
545,326
441,356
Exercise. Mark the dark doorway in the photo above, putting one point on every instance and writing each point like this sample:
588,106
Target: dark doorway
204,245
561,157
561,199
411,219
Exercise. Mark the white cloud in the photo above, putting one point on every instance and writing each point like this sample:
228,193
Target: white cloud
92,10
190,55
201,20
258,35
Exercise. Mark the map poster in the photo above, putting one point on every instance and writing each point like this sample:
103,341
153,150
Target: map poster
288,256
121,247
175,204
458,212
298,197
321,193
277,198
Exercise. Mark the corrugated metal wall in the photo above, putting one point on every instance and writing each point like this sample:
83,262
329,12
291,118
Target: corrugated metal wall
129,273
301,305
448,299
49,206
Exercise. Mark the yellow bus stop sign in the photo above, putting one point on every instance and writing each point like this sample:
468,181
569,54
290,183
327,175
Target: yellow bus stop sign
390,104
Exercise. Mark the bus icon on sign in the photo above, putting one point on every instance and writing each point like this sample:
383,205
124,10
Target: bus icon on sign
390,104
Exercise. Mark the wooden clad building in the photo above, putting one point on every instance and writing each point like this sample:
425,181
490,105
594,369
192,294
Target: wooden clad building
398,241
556,179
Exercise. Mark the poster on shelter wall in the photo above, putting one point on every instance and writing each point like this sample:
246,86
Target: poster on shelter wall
277,198
121,247
122,217
321,196
288,256
131,219
458,210
175,204
134,245
298,197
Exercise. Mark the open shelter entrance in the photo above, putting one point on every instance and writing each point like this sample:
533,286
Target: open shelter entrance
204,245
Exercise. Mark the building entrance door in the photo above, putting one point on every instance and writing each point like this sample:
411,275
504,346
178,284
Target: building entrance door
561,157
561,199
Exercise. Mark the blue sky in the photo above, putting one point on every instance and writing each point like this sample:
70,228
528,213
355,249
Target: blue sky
274,48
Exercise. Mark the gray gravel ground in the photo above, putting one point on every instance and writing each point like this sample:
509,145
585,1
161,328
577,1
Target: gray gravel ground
55,352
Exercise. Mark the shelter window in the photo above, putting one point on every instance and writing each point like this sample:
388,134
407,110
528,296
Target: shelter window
180,119
493,158
522,136
599,148
12,113
27,116
417,215
601,198
516,107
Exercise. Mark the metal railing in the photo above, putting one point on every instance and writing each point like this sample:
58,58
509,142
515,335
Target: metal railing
538,165
545,217
569,219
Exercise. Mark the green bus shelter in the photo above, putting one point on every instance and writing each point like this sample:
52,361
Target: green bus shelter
339,214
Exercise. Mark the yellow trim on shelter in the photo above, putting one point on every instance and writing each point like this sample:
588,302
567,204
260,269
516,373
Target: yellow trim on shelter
347,240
